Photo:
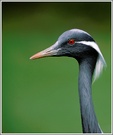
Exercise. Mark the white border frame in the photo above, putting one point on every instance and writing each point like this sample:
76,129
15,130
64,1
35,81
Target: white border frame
1,64
0,67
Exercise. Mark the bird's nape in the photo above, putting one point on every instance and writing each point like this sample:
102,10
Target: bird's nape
81,46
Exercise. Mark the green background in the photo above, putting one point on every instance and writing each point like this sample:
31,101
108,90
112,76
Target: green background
41,96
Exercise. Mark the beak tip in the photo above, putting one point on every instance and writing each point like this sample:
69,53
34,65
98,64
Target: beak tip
35,57
31,58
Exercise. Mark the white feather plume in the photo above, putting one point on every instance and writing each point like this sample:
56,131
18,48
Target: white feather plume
100,64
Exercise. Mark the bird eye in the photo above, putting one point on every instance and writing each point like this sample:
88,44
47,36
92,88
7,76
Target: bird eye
71,41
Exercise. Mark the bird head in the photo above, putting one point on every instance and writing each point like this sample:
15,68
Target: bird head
78,44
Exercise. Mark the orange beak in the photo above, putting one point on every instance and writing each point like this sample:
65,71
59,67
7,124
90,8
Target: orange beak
51,51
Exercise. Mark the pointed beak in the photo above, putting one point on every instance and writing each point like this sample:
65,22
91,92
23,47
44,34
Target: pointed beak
51,51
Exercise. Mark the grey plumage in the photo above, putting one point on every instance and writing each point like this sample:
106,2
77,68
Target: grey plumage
89,120
81,46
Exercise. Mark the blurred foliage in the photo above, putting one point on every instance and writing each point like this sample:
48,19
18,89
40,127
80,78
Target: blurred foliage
42,96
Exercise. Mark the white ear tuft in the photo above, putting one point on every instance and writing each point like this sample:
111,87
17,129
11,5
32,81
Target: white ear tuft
100,64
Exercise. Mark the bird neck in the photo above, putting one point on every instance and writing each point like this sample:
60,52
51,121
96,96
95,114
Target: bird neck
88,117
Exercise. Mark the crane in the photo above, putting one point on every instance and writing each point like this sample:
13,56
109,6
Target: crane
80,45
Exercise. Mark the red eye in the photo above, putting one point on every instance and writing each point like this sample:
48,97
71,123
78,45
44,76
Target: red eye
71,41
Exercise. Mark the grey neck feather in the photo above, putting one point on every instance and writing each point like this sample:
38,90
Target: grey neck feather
88,117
